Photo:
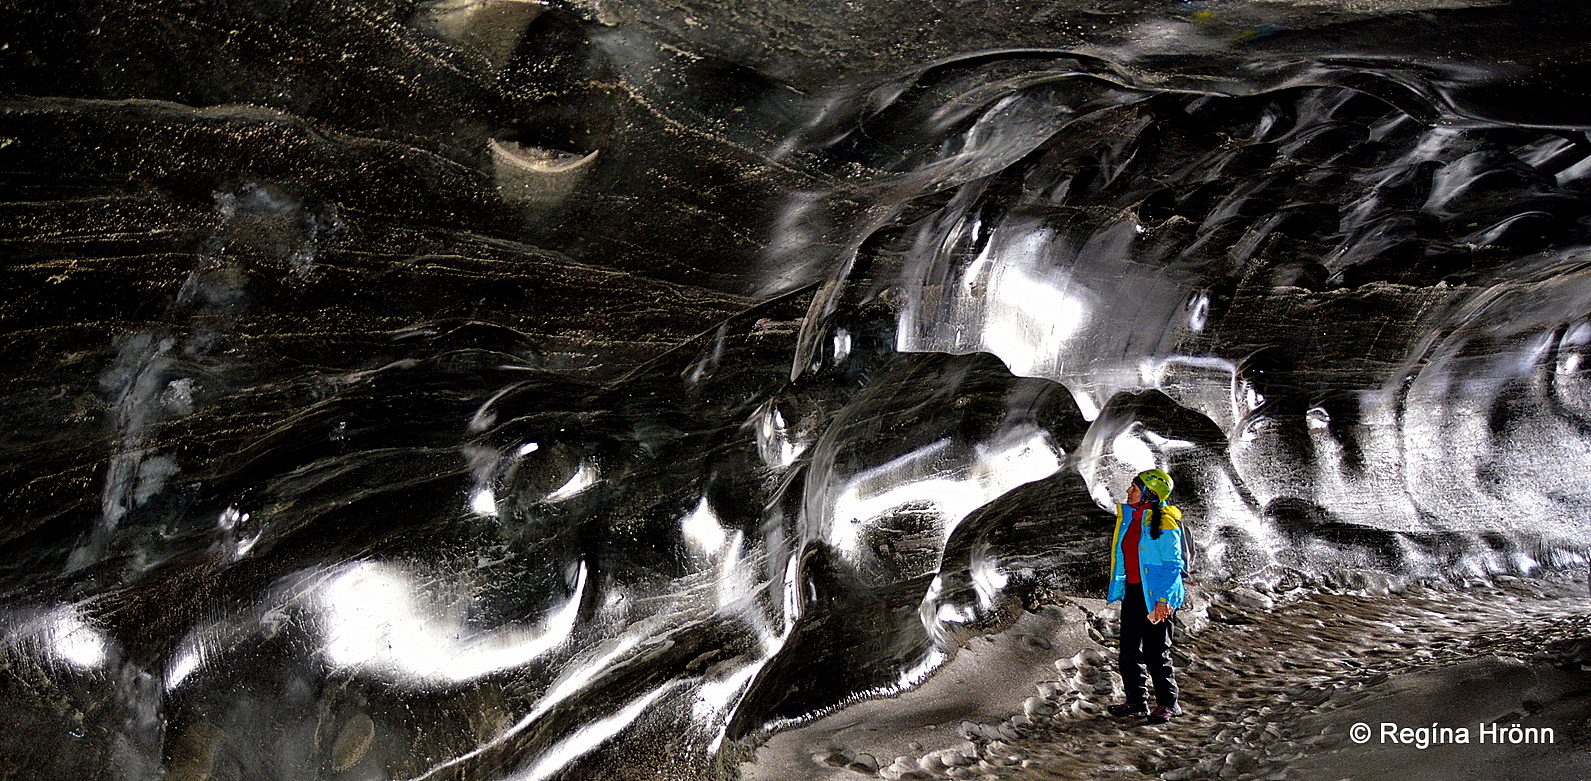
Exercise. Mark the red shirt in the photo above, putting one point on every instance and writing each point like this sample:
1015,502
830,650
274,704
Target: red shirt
1129,546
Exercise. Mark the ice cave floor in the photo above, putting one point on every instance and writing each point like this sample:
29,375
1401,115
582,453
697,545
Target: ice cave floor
1272,686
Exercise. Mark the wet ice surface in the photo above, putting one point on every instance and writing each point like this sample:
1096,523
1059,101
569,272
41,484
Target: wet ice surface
627,390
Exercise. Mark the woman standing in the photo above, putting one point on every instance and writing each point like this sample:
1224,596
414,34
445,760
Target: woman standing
1146,578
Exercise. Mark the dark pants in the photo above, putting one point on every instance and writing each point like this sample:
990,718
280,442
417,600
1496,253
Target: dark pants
1145,644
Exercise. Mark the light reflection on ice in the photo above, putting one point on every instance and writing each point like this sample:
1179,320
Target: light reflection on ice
588,737
583,478
1014,305
186,662
61,635
701,529
77,643
571,682
1036,322
715,696
774,442
484,502
235,545
735,582
1130,450
938,476
987,578
373,622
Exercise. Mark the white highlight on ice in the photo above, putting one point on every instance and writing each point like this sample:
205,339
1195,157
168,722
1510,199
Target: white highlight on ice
1199,312
952,487
583,478
587,738
702,530
484,502
774,444
1129,449
373,623
183,666
1029,319
77,643
792,594
714,697
230,519
842,345
571,684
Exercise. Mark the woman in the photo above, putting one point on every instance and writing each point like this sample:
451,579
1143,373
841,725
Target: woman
1146,578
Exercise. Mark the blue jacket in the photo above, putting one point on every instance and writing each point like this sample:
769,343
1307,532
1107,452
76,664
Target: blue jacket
1160,560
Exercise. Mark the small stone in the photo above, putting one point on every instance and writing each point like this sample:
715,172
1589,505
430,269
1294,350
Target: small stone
904,762
1244,596
953,758
1083,709
353,742
863,763
832,758
1177,774
1237,762
1038,706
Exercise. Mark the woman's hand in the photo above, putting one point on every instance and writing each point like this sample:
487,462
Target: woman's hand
1161,612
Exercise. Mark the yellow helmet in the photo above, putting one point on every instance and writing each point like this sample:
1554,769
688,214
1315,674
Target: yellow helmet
1156,482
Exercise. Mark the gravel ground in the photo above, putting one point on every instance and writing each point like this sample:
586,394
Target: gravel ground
1273,684
1273,687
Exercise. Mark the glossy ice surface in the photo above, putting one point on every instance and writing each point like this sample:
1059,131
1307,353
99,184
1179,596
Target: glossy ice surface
491,390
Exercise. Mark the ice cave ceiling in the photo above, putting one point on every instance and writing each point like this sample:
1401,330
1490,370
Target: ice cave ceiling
590,390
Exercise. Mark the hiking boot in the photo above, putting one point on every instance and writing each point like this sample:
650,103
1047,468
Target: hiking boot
1162,714
1127,710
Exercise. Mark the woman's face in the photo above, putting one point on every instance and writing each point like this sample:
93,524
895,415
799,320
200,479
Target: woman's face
1134,495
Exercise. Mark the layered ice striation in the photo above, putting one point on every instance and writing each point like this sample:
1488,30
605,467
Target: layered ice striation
588,391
